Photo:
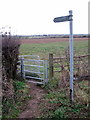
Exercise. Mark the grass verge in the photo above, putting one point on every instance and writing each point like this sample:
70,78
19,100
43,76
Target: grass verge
56,103
20,97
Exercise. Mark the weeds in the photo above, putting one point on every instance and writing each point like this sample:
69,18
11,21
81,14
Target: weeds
52,84
58,103
21,96
58,106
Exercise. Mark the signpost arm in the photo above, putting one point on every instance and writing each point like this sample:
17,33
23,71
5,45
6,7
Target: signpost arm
71,57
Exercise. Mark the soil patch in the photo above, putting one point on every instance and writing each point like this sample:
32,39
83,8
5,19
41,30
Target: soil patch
48,40
33,106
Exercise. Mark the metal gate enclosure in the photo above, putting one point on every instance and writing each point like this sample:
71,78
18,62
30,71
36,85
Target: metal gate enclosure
33,69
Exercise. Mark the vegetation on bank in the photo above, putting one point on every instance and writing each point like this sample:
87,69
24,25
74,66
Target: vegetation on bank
14,89
56,103
12,108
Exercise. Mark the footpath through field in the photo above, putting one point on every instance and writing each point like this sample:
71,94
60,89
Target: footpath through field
33,106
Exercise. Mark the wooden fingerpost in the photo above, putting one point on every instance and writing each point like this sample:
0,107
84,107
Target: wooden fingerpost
50,66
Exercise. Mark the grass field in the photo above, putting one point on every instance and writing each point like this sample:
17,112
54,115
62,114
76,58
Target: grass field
57,48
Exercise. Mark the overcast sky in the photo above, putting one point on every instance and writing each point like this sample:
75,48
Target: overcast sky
30,17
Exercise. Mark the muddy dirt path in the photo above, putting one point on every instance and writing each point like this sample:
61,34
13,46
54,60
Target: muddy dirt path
33,106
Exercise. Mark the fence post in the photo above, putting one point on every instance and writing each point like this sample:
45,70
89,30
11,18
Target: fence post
22,68
46,71
50,65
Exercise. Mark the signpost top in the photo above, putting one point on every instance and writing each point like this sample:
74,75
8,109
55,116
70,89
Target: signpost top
64,18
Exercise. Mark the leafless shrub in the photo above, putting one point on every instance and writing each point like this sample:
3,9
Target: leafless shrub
10,52
64,78
80,93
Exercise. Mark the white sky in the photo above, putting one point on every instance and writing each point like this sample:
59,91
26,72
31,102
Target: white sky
29,17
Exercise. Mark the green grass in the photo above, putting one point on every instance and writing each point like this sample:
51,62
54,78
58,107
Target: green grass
42,49
58,104
57,48
20,97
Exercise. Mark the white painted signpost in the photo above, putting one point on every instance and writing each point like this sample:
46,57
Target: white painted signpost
64,19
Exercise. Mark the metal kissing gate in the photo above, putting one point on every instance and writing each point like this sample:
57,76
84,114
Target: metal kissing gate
33,69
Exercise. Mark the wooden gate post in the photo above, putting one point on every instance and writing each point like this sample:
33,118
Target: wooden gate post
22,68
50,65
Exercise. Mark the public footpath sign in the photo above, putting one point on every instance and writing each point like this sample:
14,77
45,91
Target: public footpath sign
64,19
